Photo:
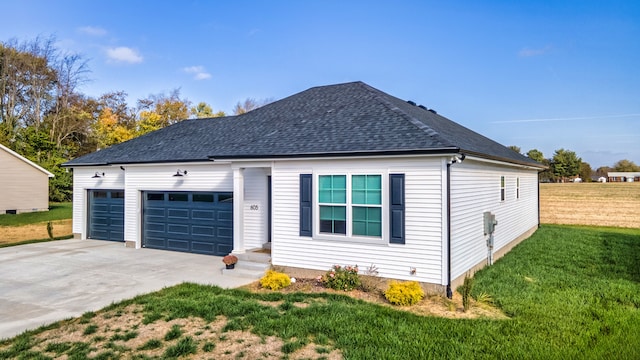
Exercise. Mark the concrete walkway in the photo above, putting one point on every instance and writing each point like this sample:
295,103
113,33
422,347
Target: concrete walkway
47,282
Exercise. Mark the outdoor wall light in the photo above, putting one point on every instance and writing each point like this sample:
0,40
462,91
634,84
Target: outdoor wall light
97,175
180,173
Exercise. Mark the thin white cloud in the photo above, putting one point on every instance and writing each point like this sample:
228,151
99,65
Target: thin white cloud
529,52
199,72
93,30
565,119
124,54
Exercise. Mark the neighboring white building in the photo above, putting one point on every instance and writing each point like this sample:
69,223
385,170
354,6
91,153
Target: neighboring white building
24,186
341,174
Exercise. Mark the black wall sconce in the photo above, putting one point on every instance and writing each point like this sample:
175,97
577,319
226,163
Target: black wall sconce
180,173
97,175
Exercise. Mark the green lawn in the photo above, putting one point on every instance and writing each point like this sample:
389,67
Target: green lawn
57,211
570,292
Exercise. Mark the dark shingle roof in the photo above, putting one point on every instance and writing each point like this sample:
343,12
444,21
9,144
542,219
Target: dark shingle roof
344,119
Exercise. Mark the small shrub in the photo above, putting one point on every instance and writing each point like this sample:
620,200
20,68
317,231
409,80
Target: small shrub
465,290
342,278
174,333
184,346
208,346
275,280
90,329
404,293
151,345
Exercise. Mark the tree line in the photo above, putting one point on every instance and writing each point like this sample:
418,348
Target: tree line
566,165
46,118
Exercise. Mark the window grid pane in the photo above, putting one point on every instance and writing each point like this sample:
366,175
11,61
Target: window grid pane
333,219
333,189
366,189
367,221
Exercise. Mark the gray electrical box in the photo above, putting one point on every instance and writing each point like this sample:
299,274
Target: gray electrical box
490,223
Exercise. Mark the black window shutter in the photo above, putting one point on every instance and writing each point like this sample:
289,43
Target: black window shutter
306,196
396,208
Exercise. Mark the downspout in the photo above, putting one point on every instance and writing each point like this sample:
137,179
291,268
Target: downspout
538,200
453,160
449,292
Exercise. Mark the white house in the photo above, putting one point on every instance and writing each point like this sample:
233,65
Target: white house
340,174
24,186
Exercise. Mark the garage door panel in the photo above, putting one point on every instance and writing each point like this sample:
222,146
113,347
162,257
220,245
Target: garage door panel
178,229
106,215
178,245
188,221
225,215
178,214
202,230
203,214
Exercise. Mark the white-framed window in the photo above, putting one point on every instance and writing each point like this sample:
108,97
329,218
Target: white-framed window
350,205
503,188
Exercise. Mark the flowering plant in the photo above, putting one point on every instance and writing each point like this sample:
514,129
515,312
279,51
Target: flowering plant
342,278
230,259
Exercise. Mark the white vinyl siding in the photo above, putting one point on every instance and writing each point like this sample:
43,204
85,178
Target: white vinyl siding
475,188
423,222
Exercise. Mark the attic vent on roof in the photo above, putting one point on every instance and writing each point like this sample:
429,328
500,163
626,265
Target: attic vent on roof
433,111
411,102
422,107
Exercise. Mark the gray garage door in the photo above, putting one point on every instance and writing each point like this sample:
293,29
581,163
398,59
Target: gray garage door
196,222
106,215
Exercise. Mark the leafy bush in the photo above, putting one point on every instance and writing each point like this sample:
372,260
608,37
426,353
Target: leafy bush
404,293
342,278
275,280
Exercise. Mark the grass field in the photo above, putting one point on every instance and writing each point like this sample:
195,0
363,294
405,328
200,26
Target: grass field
569,292
32,227
597,204
57,211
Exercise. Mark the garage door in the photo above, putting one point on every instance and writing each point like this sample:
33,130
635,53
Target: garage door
106,215
196,222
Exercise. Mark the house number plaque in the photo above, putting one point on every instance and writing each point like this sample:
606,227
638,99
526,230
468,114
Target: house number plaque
254,207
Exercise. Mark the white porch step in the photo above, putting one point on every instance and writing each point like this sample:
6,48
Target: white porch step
253,256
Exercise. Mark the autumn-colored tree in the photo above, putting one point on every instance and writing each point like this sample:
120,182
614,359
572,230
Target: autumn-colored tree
169,108
109,130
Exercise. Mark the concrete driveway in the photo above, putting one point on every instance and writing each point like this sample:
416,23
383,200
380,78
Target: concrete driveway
47,282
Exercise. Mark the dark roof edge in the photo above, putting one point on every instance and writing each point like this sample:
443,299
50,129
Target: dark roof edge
135,162
533,163
341,154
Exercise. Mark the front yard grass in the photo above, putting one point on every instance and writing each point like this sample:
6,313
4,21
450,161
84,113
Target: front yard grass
57,211
569,292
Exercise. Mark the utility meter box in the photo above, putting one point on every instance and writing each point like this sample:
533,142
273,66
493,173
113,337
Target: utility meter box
490,223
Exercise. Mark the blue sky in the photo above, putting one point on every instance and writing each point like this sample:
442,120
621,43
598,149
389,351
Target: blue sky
536,74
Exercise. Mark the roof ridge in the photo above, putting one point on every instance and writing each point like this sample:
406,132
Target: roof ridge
429,131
